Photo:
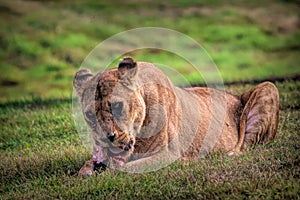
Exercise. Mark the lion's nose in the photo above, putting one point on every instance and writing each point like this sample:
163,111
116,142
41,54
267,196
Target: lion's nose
111,136
128,146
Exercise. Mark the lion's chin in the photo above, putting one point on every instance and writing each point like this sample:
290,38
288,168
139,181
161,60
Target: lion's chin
115,150
117,157
118,152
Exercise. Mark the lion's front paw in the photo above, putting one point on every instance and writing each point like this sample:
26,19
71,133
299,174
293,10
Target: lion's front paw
234,153
87,169
91,168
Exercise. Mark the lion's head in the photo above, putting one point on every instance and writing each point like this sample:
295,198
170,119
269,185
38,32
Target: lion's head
112,106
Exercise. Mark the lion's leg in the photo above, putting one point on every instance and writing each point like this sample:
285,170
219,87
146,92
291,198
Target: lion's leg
151,162
237,149
273,127
262,119
259,119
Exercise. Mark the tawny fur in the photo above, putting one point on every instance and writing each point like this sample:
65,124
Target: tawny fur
191,122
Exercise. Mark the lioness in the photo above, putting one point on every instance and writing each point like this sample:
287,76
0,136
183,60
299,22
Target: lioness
140,120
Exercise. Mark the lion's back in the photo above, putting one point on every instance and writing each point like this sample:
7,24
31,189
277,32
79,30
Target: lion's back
219,114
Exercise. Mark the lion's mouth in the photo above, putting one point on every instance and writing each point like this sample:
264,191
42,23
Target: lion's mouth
115,150
116,156
113,154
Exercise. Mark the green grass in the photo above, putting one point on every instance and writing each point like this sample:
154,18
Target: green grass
41,50
42,45
41,154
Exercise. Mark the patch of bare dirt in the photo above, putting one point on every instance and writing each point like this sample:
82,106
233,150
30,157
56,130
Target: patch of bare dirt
275,20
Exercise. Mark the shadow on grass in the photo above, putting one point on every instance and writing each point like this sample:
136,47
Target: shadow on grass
35,103
295,77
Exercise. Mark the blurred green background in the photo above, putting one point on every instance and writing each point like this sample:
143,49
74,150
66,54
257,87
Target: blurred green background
44,42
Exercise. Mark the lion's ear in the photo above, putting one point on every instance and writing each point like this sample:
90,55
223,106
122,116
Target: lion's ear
127,68
80,80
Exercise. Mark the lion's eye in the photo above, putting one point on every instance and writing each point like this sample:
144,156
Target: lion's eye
116,108
116,105
90,115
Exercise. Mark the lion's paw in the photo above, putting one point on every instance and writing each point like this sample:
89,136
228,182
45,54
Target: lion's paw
87,169
234,153
91,168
